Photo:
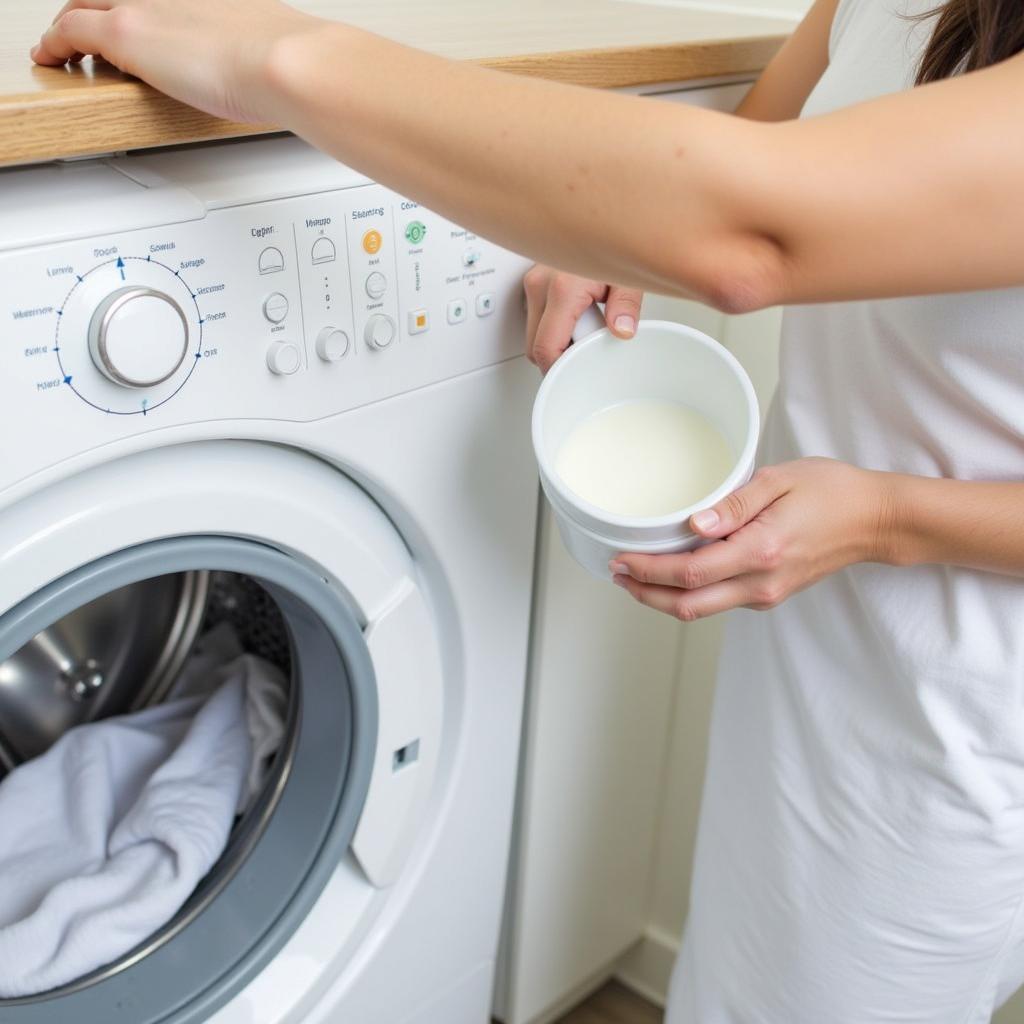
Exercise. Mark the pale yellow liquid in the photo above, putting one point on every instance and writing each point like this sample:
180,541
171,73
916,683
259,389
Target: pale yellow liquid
644,458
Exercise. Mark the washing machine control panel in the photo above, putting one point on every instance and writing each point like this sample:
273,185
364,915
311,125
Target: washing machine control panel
261,281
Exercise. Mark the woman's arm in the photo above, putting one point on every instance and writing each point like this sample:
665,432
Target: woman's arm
912,193
782,89
797,522
973,524
556,299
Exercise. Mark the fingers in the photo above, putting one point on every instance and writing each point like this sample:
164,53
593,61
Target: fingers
79,30
685,605
749,550
555,302
622,310
536,288
92,5
738,508
554,330
535,284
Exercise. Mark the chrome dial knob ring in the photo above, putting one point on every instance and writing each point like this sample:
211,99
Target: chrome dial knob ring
103,324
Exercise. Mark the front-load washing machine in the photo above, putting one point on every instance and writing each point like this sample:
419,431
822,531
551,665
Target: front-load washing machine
242,382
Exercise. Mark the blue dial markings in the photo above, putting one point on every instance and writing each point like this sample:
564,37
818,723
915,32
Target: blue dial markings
119,264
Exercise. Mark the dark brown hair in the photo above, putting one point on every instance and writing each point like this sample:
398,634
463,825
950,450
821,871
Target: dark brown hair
972,34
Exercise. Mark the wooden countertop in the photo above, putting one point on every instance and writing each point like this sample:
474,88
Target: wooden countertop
47,113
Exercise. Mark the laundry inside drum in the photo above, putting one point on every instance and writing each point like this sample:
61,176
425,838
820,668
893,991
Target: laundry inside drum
158,691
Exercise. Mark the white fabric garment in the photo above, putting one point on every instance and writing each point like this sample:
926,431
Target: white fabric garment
219,656
860,857
104,837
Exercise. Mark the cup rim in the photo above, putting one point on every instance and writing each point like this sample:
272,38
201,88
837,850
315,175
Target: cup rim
680,516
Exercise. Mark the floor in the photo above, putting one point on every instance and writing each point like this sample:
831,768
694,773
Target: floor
614,1004
617,1005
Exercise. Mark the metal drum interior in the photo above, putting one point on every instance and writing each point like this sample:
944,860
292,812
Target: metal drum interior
118,653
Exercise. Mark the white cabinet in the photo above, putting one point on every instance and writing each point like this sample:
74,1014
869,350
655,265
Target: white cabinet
596,727
597,732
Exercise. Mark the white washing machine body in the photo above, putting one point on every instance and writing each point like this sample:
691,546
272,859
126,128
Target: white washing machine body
245,357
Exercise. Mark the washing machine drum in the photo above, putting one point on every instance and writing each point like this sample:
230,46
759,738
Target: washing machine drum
108,638
120,652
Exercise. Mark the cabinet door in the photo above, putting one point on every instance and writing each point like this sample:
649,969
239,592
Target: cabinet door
595,745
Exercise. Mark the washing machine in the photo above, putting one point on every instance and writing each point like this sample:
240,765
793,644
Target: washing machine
240,380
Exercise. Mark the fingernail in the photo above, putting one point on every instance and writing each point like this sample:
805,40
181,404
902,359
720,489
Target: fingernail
618,568
619,581
625,324
706,520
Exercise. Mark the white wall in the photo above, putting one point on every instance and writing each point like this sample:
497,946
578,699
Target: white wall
788,9
754,341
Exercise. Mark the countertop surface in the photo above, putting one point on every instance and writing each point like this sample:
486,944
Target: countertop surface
47,113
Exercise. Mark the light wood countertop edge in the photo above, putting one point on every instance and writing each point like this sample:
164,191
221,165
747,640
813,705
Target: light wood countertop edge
128,114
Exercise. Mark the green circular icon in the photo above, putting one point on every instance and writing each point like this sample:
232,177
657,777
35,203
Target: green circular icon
414,231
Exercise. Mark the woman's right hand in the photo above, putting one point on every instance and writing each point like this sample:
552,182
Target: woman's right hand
214,56
555,301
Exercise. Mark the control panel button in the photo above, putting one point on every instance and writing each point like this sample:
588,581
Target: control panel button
275,307
332,344
419,321
456,311
138,337
271,260
323,250
372,241
471,257
415,231
283,358
379,331
485,304
376,285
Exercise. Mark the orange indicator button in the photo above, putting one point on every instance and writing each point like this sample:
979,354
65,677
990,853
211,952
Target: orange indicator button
419,321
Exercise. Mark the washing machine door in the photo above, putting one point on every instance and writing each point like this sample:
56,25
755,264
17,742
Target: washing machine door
329,591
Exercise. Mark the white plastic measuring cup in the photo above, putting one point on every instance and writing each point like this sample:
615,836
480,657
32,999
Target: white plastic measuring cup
664,361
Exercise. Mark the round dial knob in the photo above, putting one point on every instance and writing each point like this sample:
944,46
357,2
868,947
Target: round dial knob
138,337
331,344
283,358
380,331
376,285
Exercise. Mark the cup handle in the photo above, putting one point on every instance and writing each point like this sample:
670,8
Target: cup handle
590,322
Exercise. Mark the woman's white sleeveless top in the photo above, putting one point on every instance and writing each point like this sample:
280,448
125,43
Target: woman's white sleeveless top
861,851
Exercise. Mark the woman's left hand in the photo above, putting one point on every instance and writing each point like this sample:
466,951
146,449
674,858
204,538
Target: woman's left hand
791,525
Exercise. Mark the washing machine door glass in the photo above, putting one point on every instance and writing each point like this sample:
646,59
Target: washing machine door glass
294,833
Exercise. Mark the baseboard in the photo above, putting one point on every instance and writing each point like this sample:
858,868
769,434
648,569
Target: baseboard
569,1001
647,967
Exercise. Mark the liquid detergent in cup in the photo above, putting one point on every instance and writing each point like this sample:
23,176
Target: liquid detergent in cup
634,436
644,458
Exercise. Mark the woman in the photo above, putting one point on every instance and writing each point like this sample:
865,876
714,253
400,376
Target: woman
861,852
